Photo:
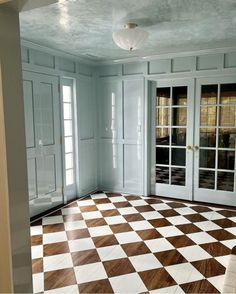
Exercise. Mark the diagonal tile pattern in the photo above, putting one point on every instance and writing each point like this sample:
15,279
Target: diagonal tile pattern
119,243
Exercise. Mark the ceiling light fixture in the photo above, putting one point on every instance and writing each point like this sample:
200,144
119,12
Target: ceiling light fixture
130,37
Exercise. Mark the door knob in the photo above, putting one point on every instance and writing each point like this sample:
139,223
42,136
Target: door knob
196,148
189,147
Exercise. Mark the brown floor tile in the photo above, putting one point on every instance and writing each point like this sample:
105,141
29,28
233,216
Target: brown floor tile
216,249
202,286
157,278
144,208
133,217
85,257
221,235
199,208
170,257
37,222
225,223
153,201
101,286
53,228
96,222
59,279
227,213
180,241
149,234
188,228
37,265
132,197
72,217
102,201
36,240
110,212
78,234
168,212
118,267
120,228
55,248
122,204
88,208
136,248
196,217
209,267
72,204
104,241
176,204
54,213
111,194
160,222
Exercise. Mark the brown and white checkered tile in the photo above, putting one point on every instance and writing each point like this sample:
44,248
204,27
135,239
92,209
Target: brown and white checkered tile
117,243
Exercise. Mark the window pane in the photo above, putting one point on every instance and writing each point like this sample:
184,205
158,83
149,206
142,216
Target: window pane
207,158
66,91
163,117
68,127
162,136
208,116
162,155
67,110
162,175
178,176
225,181
209,94
178,137
228,94
69,177
180,95
227,138
69,160
178,156
68,144
206,179
207,137
228,116
179,116
163,97
226,159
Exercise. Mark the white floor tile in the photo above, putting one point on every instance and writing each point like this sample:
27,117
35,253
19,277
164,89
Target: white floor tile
158,245
54,237
169,231
117,199
178,220
48,220
38,282
207,226
56,262
127,237
130,283
70,210
76,225
217,282
37,251
229,243
106,206
185,210
167,290
36,230
138,202
69,289
231,230
184,273
141,225
90,272
201,238
224,260
99,196
193,253
159,207
145,262
233,219
151,215
113,220
212,215
81,244
100,231
111,252
92,214
85,203
127,210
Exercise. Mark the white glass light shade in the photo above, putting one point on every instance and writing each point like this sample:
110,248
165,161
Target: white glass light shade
130,38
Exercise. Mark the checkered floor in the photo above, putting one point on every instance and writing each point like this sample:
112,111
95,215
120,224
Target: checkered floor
116,243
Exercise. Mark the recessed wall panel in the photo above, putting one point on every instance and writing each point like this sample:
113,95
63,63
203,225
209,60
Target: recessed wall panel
134,68
160,66
110,70
66,65
183,64
85,70
24,54
208,62
230,60
43,59
32,187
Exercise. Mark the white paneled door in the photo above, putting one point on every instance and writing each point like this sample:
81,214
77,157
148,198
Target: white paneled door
42,121
195,139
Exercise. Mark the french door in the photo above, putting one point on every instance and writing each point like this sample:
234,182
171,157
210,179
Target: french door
42,123
195,139
174,138
215,137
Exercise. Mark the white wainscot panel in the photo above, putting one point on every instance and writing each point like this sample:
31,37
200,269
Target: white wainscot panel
66,65
161,66
86,109
133,109
134,68
110,166
183,64
133,180
87,166
208,62
31,165
230,60
43,59
110,108
110,70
